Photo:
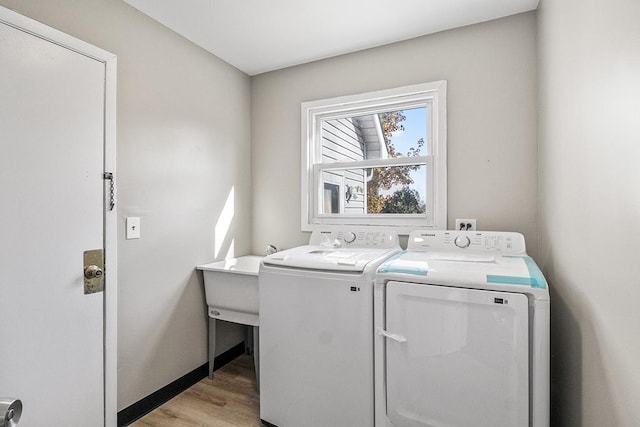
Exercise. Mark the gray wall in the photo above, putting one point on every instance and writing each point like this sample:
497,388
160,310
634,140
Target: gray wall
183,146
589,180
492,123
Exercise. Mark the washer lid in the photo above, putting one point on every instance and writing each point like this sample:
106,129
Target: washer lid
315,257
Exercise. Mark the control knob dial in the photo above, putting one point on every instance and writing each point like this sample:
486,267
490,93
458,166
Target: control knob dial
350,237
462,241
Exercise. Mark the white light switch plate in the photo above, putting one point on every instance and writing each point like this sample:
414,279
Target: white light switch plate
133,227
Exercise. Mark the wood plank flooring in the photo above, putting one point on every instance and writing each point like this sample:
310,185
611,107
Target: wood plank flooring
229,400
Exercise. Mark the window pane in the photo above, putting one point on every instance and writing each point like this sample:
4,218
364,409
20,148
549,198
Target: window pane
331,198
405,132
397,190
400,133
378,190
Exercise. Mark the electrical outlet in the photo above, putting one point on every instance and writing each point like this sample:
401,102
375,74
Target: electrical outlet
465,224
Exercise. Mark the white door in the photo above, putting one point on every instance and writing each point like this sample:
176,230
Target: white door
465,361
52,135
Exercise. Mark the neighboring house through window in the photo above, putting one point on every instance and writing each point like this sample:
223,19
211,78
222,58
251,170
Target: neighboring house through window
376,159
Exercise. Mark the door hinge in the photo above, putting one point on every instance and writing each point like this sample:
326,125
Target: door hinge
112,189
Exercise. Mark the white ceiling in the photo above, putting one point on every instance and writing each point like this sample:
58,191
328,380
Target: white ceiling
257,36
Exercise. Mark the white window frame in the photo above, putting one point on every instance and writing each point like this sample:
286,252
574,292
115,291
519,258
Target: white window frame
433,95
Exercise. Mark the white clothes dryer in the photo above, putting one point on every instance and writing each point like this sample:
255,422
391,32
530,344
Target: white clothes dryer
462,333
316,329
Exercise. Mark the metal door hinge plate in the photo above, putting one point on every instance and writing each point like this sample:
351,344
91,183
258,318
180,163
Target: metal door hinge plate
93,271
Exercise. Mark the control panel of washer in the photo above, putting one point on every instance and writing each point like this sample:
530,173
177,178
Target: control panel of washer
355,238
502,242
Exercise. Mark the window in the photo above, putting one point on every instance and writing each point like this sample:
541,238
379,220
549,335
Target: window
377,158
331,197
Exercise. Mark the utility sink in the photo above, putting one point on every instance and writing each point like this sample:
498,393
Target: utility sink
231,291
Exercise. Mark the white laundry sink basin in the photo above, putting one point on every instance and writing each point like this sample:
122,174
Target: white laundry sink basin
231,289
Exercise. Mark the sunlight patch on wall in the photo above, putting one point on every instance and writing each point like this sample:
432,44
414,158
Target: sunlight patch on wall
223,224
231,251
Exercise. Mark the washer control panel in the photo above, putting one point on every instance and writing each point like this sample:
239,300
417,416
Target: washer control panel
355,238
502,242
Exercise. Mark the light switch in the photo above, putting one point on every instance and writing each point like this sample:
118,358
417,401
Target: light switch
133,227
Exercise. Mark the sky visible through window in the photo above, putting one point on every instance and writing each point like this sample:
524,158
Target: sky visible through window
415,127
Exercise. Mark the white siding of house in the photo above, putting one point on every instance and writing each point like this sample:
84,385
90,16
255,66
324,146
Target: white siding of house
342,141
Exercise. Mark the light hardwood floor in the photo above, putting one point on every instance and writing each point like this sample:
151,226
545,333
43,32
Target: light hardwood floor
229,400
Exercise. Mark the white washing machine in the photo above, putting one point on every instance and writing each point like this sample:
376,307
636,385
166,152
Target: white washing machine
462,333
316,329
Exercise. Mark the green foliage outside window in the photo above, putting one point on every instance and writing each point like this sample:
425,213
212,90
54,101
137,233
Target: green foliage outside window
383,179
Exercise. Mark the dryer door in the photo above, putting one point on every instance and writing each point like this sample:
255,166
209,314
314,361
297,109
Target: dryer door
465,359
